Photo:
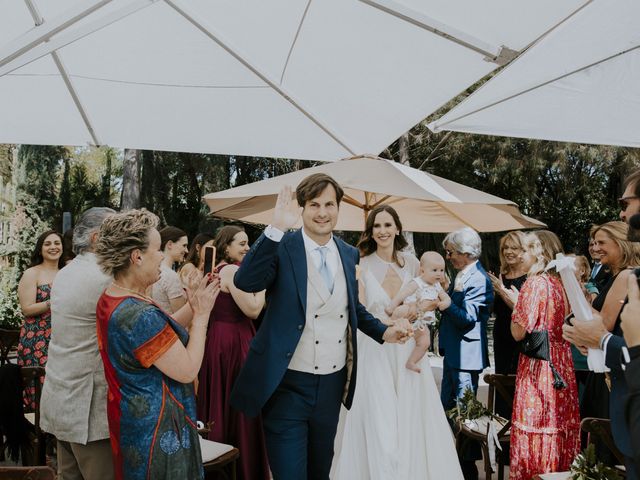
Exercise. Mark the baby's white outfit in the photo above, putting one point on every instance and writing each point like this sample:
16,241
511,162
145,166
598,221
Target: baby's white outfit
425,291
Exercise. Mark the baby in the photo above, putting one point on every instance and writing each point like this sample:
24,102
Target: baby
408,300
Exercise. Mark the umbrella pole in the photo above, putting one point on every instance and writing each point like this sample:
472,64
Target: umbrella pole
365,209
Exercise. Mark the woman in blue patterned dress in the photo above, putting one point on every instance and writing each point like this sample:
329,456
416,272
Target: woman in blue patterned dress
150,358
33,292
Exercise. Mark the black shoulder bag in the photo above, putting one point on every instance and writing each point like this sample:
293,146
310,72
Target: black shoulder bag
536,345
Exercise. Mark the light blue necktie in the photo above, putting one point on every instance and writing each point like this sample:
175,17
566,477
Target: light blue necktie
596,269
324,268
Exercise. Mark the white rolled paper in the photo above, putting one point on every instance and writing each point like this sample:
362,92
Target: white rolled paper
581,309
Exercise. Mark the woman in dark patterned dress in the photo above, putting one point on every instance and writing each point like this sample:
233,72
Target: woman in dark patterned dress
150,359
230,332
33,292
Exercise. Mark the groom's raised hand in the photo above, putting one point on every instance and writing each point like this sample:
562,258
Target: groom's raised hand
287,211
396,334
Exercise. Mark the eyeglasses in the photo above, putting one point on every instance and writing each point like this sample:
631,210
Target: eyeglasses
624,201
448,253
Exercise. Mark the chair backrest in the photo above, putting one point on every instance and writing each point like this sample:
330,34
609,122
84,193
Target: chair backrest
502,385
27,473
31,377
601,428
505,387
8,340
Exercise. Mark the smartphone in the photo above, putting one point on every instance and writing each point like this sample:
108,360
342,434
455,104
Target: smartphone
209,259
568,319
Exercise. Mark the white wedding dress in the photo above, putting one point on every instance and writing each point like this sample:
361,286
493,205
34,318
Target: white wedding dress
396,428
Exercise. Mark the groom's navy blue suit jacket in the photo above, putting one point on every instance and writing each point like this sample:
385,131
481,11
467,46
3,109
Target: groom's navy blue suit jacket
281,269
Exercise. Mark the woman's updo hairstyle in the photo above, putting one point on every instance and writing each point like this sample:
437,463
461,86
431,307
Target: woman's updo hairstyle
121,234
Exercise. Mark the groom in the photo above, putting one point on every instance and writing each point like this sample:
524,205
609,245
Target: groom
302,362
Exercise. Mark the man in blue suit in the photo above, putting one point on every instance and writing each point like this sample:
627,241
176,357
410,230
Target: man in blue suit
463,327
631,326
302,362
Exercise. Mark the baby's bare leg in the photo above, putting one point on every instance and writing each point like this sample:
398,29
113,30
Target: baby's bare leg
422,345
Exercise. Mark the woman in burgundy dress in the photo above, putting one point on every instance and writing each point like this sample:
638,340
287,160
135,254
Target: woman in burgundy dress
228,337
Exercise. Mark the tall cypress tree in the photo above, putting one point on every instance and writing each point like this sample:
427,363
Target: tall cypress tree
37,179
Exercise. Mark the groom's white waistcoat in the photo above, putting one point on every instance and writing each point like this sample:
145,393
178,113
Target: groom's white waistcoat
322,348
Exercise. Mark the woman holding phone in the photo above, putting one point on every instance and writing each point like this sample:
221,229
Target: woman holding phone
230,332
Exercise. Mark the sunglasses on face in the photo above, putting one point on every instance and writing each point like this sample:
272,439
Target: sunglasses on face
624,202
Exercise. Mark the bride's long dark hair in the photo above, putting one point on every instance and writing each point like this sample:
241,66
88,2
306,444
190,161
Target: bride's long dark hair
367,245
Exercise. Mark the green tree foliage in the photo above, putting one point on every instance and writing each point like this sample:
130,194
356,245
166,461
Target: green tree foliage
173,184
37,179
567,186
90,178
25,228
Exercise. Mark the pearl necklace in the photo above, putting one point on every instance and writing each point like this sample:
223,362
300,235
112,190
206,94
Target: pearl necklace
135,292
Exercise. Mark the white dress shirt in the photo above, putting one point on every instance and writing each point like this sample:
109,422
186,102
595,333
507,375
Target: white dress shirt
461,277
311,247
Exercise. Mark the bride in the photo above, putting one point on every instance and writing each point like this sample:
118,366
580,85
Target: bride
396,428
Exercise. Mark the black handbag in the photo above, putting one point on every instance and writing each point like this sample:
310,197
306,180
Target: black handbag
535,344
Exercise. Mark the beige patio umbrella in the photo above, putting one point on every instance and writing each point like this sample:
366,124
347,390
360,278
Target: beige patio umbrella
425,203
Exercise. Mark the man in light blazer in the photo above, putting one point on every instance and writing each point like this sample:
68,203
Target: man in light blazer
73,406
463,327
303,360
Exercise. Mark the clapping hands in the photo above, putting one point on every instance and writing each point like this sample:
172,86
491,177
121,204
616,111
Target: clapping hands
203,297
508,295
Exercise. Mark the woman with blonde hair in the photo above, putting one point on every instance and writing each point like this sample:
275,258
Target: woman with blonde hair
545,436
150,359
619,255
506,286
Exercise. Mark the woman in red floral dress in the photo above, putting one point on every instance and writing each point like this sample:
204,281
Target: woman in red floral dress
33,292
545,436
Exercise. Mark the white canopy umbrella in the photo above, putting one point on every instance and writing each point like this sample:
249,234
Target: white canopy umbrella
285,78
425,202
580,83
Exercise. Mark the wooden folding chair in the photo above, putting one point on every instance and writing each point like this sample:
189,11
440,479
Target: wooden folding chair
217,457
37,455
504,386
600,428
27,473
8,340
